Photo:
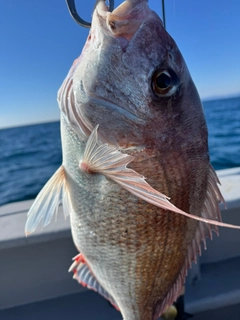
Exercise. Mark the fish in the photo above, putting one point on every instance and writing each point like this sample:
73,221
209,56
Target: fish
136,178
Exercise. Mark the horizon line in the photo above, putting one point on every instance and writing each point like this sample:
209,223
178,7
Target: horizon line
214,98
28,124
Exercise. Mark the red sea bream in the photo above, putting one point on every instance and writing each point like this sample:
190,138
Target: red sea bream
135,163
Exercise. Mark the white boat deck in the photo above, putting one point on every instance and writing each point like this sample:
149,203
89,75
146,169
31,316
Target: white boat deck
34,278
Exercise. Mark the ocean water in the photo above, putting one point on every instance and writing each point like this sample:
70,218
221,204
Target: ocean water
29,155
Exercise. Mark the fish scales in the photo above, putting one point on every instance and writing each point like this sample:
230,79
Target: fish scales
138,244
135,164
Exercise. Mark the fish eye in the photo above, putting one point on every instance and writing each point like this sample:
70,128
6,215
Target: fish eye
164,82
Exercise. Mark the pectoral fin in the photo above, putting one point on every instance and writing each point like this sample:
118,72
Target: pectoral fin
47,202
108,161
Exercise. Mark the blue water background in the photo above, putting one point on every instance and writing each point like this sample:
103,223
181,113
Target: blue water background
29,155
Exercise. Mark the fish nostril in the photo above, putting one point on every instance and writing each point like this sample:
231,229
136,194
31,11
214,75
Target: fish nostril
112,25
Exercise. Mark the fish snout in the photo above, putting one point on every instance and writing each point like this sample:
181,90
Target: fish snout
126,19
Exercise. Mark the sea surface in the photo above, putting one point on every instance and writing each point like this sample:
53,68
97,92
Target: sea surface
29,155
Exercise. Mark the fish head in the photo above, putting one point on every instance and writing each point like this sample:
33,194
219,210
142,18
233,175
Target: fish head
132,80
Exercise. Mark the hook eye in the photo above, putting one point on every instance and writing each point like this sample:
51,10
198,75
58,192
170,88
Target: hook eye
73,12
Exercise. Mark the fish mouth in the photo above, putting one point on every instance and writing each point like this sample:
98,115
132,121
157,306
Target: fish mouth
107,104
124,21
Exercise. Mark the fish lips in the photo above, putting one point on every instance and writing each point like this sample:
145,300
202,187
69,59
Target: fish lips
123,22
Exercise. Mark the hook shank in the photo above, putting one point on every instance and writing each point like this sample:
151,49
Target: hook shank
73,12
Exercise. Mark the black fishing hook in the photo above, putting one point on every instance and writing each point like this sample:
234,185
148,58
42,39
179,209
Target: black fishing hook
73,12
163,14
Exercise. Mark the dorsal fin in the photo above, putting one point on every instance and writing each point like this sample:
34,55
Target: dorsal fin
210,211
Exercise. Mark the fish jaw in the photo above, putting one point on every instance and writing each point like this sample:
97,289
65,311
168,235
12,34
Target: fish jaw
124,21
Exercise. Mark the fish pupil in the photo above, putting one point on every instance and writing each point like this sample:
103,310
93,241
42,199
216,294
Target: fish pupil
163,81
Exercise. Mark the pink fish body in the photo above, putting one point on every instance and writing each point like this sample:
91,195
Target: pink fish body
133,134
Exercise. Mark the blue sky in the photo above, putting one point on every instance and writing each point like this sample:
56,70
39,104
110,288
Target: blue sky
39,41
